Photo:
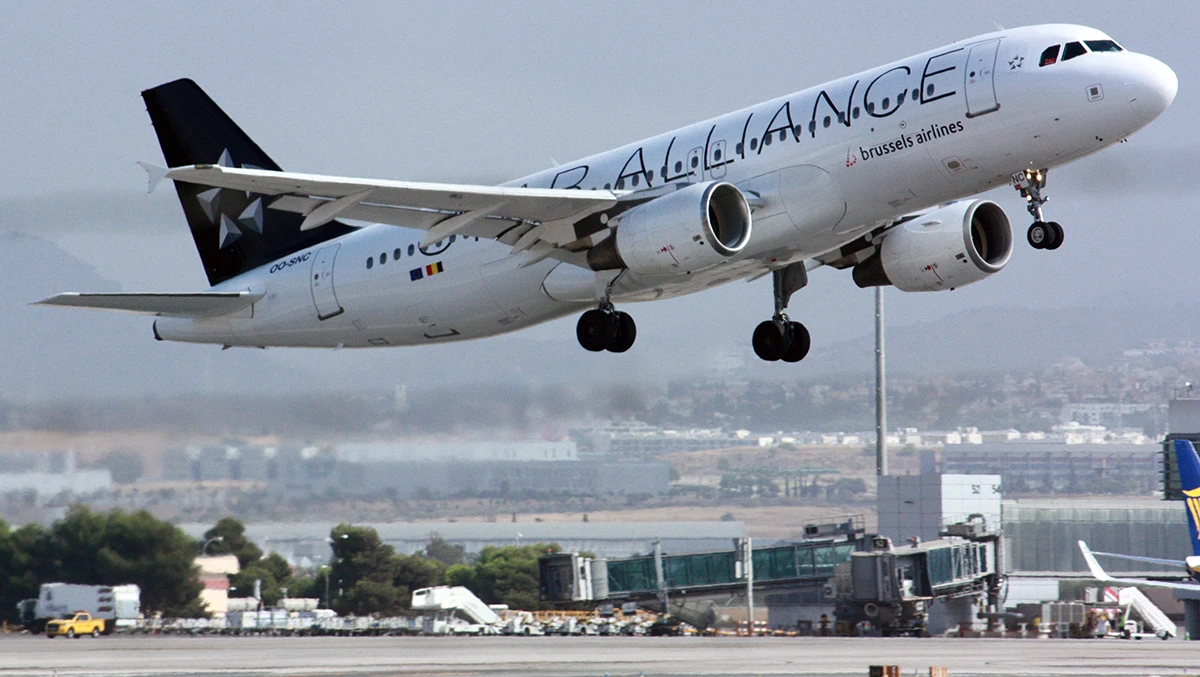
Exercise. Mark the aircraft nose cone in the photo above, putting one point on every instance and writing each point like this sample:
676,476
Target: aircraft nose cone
1152,89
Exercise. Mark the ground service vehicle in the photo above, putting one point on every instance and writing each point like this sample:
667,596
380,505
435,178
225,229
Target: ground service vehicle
78,625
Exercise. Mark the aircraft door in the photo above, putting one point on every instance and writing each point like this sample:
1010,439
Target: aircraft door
321,280
695,165
980,73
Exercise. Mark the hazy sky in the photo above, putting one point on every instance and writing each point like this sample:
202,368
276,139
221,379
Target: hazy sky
483,92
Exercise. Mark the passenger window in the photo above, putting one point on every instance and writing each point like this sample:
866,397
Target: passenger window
410,249
650,175
678,166
396,254
370,262
383,258
635,179
695,161
1103,46
1072,50
1050,56
753,144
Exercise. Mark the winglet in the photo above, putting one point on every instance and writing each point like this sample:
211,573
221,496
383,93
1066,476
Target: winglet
1098,571
154,175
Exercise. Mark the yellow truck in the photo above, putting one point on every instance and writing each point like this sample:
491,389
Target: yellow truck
79,624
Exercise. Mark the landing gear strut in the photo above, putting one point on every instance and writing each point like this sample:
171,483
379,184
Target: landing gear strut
606,328
779,338
1042,234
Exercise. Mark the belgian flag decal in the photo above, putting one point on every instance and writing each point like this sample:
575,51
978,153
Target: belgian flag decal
431,269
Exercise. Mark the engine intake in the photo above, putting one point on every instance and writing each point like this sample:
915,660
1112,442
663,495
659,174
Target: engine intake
694,228
944,249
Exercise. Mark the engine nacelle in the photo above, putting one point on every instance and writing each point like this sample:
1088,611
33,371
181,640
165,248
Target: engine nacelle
689,230
945,249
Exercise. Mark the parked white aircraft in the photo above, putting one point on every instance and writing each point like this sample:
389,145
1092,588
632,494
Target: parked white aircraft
855,173
1188,464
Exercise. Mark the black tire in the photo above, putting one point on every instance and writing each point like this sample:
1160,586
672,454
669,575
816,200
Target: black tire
799,345
596,330
71,633
1038,234
95,632
1056,232
626,333
770,341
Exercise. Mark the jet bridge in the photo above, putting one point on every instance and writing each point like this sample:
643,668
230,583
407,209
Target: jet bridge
864,575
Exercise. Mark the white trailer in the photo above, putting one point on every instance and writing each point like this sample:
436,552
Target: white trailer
119,605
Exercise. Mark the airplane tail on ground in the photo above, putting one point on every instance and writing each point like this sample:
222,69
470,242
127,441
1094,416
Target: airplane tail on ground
234,231
1189,481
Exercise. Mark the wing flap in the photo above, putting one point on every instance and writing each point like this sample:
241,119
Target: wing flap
198,304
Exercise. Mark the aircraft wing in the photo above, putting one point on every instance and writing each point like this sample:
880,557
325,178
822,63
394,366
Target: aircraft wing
539,220
199,304
1100,574
1138,558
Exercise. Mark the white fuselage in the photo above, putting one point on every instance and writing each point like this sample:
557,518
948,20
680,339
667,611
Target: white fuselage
828,164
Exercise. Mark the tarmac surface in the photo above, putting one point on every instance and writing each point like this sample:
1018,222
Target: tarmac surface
143,656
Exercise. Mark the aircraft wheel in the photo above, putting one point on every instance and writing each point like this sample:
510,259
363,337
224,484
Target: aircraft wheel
770,341
626,333
1057,232
1038,235
800,343
596,330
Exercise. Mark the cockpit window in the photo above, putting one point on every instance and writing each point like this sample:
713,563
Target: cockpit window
1103,46
1050,56
1072,50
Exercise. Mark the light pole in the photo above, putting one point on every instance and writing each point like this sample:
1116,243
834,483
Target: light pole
881,460
215,539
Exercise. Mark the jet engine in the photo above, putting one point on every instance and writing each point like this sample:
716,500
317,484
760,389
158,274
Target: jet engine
689,230
947,248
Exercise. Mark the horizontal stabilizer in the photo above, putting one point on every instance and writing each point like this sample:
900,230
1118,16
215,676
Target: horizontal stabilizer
197,304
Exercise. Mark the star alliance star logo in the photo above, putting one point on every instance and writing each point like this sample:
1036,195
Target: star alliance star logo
219,203
1015,62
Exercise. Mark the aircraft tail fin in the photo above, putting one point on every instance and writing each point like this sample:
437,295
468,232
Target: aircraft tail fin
234,231
1189,480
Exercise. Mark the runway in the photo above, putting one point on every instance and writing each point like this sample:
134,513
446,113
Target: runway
145,656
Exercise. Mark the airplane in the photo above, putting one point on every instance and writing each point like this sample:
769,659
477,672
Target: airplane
871,173
1189,478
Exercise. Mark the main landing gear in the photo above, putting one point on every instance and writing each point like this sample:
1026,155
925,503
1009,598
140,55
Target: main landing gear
779,338
605,328
1042,234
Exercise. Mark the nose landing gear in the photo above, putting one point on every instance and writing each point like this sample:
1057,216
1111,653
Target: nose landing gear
779,338
1042,234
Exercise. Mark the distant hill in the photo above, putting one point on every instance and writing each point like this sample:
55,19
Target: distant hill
1012,338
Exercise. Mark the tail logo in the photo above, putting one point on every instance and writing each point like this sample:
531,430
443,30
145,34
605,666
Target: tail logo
1192,497
219,203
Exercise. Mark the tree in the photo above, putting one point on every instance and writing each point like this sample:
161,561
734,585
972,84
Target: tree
233,541
21,568
363,572
443,551
274,573
509,575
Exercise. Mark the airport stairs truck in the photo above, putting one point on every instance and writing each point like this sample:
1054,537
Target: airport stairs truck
117,606
455,610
